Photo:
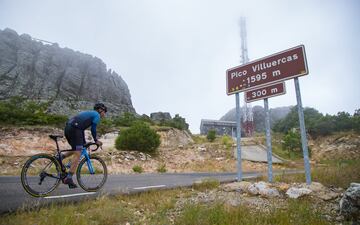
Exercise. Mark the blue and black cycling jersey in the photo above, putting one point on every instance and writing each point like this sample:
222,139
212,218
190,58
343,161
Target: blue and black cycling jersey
86,119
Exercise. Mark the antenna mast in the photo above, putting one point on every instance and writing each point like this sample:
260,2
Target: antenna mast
248,119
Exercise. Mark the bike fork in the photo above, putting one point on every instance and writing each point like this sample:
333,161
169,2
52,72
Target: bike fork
85,154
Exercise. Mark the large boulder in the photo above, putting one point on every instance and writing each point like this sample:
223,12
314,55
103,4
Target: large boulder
68,79
350,203
160,116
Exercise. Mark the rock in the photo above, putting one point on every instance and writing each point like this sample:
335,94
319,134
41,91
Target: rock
294,192
326,196
237,186
263,189
350,203
283,186
71,80
202,149
316,187
320,191
160,116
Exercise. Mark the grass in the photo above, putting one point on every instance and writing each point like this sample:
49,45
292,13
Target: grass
161,168
206,184
337,173
161,207
199,139
101,211
297,212
138,169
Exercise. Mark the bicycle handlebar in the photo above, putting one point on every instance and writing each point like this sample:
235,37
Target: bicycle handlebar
87,145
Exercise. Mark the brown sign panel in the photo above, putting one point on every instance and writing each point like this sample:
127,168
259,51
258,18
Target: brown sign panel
265,92
269,70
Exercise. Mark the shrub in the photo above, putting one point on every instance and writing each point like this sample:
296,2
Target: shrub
139,137
292,141
176,122
20,111
126,119
138,169
227,141
162,168
211,135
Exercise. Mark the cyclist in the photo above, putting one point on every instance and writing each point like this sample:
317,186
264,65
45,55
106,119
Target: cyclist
75,135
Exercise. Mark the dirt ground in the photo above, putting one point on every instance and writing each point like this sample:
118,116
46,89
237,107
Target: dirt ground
178,152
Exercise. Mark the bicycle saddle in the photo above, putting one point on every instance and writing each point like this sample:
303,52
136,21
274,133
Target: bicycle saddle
55,137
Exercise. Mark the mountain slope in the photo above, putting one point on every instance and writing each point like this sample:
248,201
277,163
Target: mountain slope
70,80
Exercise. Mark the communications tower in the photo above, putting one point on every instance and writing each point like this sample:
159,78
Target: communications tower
248,118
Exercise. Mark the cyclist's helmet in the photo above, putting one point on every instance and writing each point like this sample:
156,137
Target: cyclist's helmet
100,106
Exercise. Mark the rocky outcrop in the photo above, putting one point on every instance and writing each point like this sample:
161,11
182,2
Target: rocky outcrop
337,146
68,79
350,203
160,116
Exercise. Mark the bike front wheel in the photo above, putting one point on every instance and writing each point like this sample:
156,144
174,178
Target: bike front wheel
40,175
91,179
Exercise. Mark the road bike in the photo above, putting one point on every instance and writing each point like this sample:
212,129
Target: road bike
42,173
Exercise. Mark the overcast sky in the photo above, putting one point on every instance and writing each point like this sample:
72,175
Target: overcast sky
173,54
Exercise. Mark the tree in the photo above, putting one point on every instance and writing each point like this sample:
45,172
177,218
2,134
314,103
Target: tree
343,121
126,119
292,141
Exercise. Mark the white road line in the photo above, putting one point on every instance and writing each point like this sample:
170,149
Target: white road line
148,187
71,195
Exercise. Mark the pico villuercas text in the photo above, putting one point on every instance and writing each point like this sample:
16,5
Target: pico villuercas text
281,66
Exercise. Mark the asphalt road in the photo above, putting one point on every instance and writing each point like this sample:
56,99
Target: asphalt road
13,196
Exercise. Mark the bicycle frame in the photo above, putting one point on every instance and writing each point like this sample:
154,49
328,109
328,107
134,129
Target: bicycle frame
84,153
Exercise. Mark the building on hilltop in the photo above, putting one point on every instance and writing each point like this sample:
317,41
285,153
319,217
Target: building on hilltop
221,127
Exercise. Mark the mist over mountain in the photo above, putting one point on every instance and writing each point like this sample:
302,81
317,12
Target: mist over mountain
259,115
69,80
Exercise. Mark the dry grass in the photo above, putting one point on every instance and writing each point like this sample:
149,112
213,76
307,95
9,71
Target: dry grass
160,207
339,173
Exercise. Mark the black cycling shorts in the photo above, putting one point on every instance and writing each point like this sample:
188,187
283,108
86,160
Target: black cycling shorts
75,137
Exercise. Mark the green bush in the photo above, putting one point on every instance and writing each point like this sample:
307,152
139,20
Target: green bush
176,122
139,137
126,119
138,169
20,111
162,168
227,141
211,135
317,124
292,141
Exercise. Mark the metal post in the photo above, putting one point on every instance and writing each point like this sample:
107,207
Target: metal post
303,132
268,139
238,138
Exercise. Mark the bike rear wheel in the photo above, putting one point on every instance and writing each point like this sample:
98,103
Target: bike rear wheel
40,175
87,180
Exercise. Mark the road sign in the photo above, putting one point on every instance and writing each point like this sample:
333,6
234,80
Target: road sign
281,66
265,92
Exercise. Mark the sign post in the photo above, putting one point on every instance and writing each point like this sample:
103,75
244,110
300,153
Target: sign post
268,139
303,132
238,138
256,76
